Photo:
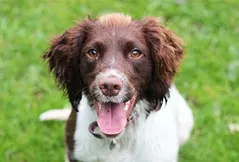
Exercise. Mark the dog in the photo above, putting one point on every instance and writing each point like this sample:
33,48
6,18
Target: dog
118,75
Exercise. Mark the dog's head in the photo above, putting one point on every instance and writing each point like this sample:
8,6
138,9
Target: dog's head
115,61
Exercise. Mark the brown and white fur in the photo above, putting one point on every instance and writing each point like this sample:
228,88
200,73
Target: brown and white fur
118,73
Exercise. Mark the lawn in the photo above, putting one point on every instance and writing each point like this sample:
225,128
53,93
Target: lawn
208,78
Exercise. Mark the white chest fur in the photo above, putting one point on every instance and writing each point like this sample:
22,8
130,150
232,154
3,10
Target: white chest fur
155,139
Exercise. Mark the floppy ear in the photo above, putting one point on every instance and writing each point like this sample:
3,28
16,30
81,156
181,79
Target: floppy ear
166,52
63,59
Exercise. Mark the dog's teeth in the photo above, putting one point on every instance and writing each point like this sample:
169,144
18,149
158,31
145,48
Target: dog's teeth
126,107
128,102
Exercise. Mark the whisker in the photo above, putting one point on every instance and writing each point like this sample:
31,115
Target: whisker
79,91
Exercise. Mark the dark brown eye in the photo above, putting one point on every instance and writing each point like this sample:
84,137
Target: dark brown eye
136,53
93,53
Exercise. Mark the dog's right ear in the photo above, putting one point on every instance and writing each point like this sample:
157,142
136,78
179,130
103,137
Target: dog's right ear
58,57
64,60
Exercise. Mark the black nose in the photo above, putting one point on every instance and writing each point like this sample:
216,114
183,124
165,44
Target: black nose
110,85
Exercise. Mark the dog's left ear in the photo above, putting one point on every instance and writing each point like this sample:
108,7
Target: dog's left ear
166,52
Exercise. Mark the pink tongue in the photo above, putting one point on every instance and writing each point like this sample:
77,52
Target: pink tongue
111,118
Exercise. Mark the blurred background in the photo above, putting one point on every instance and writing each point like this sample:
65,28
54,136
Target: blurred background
208,78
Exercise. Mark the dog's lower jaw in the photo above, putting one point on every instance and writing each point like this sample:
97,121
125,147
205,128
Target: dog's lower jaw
154,139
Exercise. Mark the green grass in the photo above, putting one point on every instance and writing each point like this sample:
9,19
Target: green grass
209,76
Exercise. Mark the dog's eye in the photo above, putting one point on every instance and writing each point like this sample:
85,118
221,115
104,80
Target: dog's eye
93,53
136,53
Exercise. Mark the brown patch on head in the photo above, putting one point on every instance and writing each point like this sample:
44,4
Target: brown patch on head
115,20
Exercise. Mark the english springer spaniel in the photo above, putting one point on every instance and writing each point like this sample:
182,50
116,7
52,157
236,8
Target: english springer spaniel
117,73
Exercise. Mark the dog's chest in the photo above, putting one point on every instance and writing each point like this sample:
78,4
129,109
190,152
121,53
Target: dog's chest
100,152
142,143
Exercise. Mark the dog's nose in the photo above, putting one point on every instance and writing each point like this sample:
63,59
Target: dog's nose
110,85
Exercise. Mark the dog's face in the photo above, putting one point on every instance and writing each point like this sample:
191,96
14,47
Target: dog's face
116,65
115,61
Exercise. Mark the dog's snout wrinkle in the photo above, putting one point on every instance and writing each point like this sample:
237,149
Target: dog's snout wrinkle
110,85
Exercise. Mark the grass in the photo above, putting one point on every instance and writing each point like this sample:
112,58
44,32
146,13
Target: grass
209,76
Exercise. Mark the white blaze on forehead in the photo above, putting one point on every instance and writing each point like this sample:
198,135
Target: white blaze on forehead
112,72
112,61
115,19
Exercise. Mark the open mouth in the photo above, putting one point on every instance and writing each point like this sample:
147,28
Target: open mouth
112,117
